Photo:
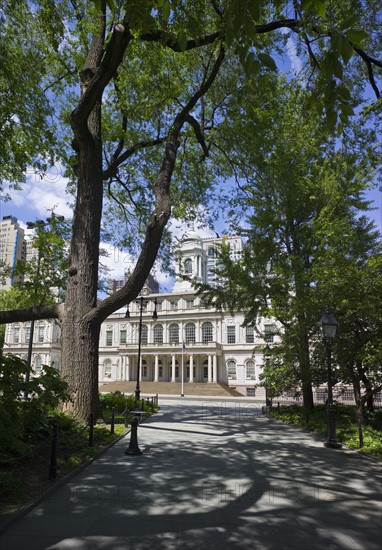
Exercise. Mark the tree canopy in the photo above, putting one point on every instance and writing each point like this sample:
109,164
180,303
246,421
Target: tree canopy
308,241
143,102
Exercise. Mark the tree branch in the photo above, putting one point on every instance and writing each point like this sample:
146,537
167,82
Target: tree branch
173,43
369,64
49,311
162,210
112,168
198,134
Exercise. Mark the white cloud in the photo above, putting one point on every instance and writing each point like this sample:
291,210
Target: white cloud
293,56
40,194
116,260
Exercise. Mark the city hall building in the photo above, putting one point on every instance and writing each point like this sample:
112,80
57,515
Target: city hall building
176,337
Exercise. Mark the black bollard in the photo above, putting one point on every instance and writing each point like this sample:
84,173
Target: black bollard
112,420
133,448
91,431
53,454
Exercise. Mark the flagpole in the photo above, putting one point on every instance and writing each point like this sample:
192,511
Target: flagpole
182,375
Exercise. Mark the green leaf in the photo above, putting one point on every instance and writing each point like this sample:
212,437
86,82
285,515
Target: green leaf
254,9
331,119
305,4
182,39
347,109
356,36
250,64
348,22
343,93
347,50
267,60
166,10
320,8
337,69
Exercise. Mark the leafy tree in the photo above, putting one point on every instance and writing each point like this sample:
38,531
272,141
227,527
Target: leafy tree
303,195
152,99
348,276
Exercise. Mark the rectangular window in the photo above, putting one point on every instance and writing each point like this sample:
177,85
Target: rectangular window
159,306
160,372
16,335
189,304
40,334
269,331
231,334
174,306
27,333
122,336
249,335
109,337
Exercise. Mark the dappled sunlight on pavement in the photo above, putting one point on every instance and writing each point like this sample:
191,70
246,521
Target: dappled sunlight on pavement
212,476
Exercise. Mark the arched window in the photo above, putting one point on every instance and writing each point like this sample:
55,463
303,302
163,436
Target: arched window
144,334
38,365
250,370
174,333
207,332
188,266
189,331
107,368
158,334
231,370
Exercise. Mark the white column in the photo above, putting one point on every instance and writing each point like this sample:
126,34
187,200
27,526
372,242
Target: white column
156,369
191,368
173,368
214,368
127,373
209,368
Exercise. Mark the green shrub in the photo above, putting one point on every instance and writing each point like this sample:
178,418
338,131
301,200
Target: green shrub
22,420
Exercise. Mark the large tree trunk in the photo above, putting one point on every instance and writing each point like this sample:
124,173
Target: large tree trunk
80,333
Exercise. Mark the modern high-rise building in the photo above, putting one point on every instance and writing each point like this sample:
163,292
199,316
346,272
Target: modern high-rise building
12,249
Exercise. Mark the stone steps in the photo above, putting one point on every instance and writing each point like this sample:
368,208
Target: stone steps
170,388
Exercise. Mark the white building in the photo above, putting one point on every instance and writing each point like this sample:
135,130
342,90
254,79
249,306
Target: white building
12,249
212,345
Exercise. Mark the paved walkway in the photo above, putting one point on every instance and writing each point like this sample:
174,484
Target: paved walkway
212,476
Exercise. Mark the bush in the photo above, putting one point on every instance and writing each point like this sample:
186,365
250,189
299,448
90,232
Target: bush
21,420
120,403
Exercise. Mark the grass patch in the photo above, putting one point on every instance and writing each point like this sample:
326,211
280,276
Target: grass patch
347,430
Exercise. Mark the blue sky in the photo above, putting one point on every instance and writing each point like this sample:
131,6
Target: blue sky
41,195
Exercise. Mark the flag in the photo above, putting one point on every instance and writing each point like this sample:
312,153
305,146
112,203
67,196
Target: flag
184,345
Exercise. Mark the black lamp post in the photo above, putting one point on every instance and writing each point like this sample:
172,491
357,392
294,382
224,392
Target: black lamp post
141,301
267,357
329,328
